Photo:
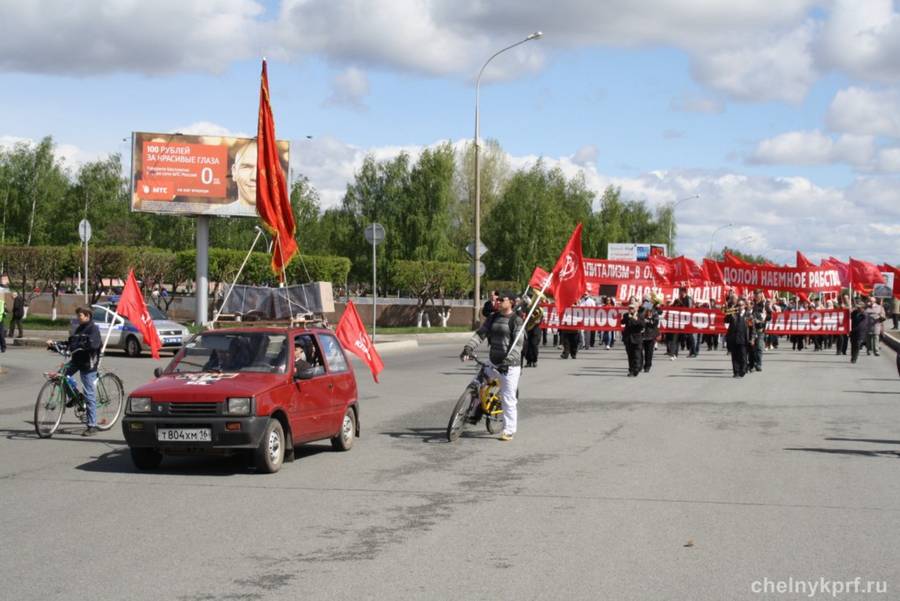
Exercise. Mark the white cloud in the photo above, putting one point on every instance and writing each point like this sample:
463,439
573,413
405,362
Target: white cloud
763,66
814,148
586,155
697,104
863,39
105,36
867,112
208,128
70,155
349,88
773,216
745,48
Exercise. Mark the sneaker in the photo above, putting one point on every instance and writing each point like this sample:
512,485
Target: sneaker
505,437
90,431
672,357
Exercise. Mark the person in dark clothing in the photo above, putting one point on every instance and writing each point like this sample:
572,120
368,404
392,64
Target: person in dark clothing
674,340
738,337
651,332
84,346
761,318
843,340
2,324
633,338
501,331
491,305
18,314
858,329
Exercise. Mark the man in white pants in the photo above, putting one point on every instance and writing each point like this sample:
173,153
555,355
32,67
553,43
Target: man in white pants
501,329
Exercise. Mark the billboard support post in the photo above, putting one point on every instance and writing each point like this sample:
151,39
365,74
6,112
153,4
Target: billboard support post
202,268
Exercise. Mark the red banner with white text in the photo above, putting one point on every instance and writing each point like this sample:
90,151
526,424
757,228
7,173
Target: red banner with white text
787,279
682,320
603,272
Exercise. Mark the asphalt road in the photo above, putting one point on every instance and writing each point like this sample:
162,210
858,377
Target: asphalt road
680,484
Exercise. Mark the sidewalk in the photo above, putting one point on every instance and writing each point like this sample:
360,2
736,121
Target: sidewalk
891,338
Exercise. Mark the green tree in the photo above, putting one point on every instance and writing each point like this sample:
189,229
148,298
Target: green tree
495,174
533,220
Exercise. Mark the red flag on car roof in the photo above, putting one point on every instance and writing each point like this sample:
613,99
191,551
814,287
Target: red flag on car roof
568,274
132,306
352,334
272,201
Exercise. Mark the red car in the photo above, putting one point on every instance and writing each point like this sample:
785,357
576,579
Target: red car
261,390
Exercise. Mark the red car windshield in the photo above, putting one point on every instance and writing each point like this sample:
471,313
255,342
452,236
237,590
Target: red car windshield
233,352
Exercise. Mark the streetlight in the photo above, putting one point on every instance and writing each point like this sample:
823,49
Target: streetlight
534,36
672,220
713,237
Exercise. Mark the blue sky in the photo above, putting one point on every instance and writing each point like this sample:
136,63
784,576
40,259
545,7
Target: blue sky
784,118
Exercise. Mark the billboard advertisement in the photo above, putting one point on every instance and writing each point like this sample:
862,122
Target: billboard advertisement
196,175
634,252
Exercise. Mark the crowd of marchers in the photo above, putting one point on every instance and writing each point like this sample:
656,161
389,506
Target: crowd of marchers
747,339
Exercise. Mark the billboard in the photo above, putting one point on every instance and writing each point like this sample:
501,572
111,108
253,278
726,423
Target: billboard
616,251
196,175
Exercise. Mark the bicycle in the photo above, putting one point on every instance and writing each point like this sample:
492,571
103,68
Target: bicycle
481,397
61,391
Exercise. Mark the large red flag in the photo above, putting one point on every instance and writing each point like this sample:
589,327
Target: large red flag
842,268
864,275
663,270
802,261
712,272
272,201
538,278
352,334
568,274
132,306
687,272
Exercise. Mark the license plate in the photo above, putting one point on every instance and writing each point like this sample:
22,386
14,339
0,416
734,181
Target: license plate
184,435
171,340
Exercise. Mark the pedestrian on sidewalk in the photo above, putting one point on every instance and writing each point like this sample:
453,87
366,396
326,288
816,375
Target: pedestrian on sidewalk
18,314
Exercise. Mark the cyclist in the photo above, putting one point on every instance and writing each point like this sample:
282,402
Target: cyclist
501,328
84,345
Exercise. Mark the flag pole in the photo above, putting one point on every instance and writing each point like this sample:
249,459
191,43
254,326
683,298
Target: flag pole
527,317
233,284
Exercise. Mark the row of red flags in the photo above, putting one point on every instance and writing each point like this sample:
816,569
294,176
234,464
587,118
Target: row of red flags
567,282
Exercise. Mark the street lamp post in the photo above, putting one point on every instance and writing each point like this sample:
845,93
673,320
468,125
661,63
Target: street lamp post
672,221
534,36
713,237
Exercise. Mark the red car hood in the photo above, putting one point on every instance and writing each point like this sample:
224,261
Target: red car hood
209,387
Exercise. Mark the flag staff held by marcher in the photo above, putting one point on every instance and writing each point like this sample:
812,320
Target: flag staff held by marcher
567,279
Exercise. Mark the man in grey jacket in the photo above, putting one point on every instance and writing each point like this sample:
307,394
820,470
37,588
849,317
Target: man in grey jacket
500,330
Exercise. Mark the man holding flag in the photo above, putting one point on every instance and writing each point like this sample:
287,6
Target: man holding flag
504,329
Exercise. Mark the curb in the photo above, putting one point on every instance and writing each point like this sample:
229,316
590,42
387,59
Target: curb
399,345
891,340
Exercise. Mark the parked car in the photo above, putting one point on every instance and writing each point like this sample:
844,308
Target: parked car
125,335
260,391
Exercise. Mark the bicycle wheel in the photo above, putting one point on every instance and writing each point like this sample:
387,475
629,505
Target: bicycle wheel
49,408
110,398
460,412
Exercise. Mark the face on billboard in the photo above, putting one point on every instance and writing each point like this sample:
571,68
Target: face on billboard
196,175
243,172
